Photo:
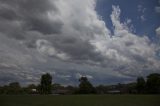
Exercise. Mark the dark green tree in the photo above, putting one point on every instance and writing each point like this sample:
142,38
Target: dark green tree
85,87
46,84
29,89
140,85
153,83
13,88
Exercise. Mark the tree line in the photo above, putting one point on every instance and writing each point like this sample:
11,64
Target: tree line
148,85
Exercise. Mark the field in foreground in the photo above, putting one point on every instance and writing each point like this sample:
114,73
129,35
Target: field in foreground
81,100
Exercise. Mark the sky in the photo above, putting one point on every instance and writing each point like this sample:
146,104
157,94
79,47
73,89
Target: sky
108,41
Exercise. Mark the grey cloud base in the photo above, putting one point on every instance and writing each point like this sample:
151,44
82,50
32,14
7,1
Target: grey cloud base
68,39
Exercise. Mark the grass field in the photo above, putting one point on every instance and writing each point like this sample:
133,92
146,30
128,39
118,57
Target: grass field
81,100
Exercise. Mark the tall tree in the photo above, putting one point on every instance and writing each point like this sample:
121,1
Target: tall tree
46,83
153,83
140,85
85,87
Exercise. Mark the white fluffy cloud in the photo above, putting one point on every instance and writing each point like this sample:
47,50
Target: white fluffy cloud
78,76
46,48
126,49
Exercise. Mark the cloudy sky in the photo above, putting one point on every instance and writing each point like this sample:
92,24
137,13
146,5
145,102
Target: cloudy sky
109,41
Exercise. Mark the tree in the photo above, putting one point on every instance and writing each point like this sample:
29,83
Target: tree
140,85
29,89
153,83
102,89
13,88
85,87
46,84
57,86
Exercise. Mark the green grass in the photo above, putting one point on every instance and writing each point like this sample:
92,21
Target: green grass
80,100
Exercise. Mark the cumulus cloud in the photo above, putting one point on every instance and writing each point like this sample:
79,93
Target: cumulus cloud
142,10
142,17
126,50
78,75
69,37
158,31
46,48
157,8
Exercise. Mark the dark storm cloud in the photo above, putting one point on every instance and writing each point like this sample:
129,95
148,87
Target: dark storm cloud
44,26
28,7
78,49
20,18
30,14
7,14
